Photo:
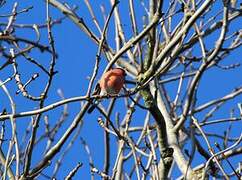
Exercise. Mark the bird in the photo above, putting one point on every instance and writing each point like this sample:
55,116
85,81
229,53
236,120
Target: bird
110,83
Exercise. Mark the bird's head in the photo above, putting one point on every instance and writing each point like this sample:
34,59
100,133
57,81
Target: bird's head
120,71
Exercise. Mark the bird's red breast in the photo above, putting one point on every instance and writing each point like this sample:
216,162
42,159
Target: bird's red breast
112,81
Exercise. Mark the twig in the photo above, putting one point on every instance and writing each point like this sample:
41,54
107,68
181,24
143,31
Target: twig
195,122
73,172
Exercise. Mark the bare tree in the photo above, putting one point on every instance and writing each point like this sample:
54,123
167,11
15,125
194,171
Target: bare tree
167,48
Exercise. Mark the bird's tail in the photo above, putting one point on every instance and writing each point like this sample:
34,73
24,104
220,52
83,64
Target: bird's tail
89,111
97,91
93,106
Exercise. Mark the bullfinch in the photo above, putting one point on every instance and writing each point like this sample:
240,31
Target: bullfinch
110,83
